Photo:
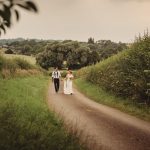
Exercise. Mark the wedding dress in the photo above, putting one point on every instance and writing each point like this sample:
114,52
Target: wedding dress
68,84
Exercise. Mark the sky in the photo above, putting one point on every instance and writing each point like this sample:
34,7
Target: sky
116,20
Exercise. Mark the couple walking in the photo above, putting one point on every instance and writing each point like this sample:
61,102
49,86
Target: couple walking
56,76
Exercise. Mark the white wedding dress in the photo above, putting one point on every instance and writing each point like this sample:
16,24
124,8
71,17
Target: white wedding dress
68,84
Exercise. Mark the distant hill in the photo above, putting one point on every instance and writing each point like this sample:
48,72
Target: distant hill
9,41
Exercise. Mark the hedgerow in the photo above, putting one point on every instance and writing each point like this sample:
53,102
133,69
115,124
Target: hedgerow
124,74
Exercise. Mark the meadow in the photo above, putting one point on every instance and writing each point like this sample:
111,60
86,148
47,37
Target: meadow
30,59
17,67
26,123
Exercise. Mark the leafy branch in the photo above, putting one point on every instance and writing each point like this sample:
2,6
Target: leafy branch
9,8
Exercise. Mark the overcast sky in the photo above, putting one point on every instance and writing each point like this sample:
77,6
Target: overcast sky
117,20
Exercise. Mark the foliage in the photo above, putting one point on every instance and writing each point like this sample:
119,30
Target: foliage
9,51
108,48
91,40
123,74
75,54
26,47
147,73
9,8
9,41
25,119
64,54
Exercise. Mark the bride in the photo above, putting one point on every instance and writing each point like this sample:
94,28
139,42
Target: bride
68,83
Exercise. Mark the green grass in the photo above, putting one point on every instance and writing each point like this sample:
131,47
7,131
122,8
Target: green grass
99,95
25,120
30,59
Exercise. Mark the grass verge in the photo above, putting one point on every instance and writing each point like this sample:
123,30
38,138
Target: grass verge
25,120
97,94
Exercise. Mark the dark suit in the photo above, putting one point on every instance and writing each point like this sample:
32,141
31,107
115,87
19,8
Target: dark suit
56,79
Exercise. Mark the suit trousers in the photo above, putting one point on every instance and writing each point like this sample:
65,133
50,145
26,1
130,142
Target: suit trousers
56,84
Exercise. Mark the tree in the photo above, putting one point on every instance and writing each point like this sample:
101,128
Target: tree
60,59
107,48
9,8
83,55
93,57
73,60
91,40
74,54
27,50
50,58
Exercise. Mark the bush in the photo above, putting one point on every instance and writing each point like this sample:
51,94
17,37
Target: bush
123,74
9,51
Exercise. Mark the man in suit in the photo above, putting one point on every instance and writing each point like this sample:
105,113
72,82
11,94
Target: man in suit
56,75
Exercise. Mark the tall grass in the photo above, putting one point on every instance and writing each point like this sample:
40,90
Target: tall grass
16,67
29,59
25,120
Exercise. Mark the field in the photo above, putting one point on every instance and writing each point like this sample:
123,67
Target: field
30,59
25,120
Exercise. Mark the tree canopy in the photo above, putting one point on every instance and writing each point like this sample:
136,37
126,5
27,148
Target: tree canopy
74,54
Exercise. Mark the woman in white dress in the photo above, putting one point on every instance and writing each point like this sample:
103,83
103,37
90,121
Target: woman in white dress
68,83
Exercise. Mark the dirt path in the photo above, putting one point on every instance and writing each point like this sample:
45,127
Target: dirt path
110,128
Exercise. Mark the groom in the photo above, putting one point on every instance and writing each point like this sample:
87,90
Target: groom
56,79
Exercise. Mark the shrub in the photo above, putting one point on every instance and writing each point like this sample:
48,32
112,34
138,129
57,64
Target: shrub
9,51
123,74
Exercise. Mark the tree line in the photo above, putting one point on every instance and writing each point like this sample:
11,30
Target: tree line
74,54
67,53
22,46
